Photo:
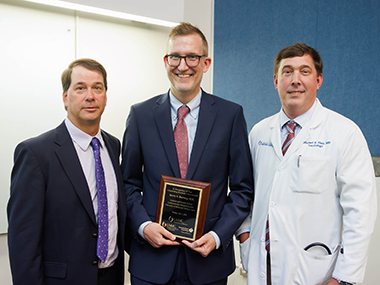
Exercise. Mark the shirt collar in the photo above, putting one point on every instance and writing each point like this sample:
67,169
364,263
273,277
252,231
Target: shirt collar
300,120
82,139
193,104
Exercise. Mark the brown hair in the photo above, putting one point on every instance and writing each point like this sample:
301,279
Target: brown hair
184,29
298,49
86,63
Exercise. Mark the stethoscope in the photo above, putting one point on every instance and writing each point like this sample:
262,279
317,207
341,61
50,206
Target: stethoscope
318,244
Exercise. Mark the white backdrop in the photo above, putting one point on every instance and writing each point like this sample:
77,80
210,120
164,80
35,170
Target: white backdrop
38,44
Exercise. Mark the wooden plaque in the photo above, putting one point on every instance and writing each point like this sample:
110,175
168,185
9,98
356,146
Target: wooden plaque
182,206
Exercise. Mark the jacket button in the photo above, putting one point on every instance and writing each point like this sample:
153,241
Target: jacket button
95,235
95,262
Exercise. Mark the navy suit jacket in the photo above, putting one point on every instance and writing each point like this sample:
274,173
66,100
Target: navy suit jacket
52,234
220,156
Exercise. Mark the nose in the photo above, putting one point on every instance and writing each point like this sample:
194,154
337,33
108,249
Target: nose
296,78
90,95
182,64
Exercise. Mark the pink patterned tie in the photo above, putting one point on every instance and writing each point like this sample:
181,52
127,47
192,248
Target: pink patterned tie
181,140
290,127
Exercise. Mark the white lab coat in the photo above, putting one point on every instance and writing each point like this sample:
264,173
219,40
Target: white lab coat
325,182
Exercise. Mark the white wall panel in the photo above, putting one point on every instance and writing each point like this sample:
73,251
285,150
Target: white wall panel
133,56
39,42
35,48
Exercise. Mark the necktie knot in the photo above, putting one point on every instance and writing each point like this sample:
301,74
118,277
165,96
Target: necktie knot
182,112
291,126
95,144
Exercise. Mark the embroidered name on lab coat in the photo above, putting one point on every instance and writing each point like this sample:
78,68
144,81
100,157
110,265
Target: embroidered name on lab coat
265,144
317,143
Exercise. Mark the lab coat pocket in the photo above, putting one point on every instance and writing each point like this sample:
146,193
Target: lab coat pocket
315,269
311,174
244,253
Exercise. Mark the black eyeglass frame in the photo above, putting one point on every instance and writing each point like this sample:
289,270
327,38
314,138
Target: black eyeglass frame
185,58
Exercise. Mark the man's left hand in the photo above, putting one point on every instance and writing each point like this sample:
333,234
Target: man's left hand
204,245
333,281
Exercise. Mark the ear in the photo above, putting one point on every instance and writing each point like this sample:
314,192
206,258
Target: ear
207,64
319,80
64,98
275,81
165,61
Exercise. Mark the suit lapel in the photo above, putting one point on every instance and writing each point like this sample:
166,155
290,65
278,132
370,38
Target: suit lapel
162,117
317,118
111,150
276,136
207,115
70,163
114,155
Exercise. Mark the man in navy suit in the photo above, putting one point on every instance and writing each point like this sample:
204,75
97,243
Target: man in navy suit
53,209
218,153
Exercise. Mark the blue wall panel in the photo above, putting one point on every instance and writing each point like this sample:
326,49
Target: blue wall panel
249,34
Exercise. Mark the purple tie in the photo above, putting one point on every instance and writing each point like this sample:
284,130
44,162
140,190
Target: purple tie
181,140
102,248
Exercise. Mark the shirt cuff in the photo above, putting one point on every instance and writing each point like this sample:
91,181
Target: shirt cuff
141,228
217,239
242,231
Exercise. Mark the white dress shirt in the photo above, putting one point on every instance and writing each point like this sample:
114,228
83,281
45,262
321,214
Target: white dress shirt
300,120
191,119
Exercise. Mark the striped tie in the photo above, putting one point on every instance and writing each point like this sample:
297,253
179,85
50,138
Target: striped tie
290,127
267,239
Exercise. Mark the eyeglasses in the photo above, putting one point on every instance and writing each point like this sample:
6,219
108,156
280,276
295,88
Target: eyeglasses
191,60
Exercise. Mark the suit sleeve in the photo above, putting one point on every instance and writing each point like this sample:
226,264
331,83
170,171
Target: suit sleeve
25,218
357,190
246,225
132,164
240,182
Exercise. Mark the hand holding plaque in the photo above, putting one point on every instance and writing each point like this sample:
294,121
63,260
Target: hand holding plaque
182,206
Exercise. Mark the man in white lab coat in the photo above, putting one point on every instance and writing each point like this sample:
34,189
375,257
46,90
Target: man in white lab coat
318,193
